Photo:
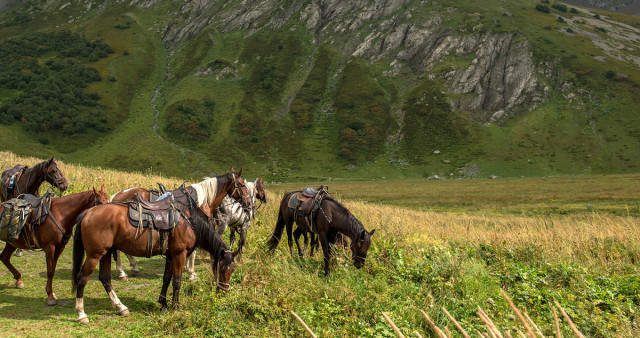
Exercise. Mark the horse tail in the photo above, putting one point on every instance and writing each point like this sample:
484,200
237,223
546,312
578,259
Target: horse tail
78,252
277,232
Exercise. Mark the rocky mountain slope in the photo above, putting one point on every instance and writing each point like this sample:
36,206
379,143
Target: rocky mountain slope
357,89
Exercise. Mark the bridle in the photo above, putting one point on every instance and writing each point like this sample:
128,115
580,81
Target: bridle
222,285
246,199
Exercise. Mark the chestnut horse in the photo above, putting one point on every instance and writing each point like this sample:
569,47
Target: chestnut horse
106,228
52,234
31,179
210,193
333,218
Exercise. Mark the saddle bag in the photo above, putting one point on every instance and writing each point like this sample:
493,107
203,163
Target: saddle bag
13,218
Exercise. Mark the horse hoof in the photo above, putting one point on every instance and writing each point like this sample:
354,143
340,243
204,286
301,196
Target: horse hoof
83,320
125,312
52,302
20,285
193,277
18,253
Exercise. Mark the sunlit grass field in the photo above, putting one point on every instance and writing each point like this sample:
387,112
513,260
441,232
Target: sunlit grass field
575,240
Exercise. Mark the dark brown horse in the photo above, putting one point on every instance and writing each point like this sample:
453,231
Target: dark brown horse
210,193
106,228
52,234
31,178
333,218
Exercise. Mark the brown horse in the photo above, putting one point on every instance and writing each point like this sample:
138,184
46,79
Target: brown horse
106,228
333,218
210,193
31,178
52,234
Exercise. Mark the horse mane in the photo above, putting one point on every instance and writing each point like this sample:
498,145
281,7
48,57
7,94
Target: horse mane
206,237
354,224
207,188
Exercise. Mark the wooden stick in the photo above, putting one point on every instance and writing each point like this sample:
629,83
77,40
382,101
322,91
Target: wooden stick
446,331
506,333
418,334
555,319
492,327
566,316
435,328
520,317
395,328
534,325
304,324
455,322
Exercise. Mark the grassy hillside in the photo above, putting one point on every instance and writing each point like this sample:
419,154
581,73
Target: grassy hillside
295,104
427,254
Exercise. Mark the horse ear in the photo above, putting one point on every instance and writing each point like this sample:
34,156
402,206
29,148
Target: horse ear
239,172
52,160
233,171
102,189
95,191
371,233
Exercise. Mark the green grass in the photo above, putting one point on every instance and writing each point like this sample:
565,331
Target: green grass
567,239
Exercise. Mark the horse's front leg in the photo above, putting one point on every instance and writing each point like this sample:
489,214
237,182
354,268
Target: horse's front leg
241,241
105,277
51,254
177,267
166,278
327,253
290,237
5,257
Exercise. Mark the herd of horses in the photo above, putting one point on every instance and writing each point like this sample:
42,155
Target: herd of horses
103,226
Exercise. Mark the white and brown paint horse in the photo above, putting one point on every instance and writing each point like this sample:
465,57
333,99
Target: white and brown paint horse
210,192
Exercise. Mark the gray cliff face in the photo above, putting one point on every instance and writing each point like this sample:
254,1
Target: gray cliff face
500,79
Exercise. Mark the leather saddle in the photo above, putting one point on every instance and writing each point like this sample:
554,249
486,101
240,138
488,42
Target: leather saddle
162,215
154,194
39,205
12,174
305,204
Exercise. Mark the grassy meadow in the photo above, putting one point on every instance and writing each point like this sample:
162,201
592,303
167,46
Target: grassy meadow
452,244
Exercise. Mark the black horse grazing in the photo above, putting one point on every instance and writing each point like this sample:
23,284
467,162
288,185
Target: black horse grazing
329,219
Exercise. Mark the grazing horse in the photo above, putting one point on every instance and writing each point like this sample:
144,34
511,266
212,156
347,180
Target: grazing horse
29,179
332,218
230,214
52,234
210,193
106,228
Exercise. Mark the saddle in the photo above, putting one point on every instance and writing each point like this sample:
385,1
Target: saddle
161,215
305,204
22,211
155,194
9,179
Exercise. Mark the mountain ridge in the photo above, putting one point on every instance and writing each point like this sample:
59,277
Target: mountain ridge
308,88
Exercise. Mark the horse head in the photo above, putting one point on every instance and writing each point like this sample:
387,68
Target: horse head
54,176
261,192
100,196
223,267
238,189
360,246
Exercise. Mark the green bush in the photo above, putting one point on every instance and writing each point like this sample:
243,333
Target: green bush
574,11
610,74
560,7
543,8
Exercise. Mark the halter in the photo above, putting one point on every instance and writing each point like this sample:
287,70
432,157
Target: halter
221,285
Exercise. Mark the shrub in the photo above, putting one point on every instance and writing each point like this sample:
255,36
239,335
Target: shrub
573,10
569,30
545,1
547,28
602,29
561,20
560,7
610,74
543,8
597,16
